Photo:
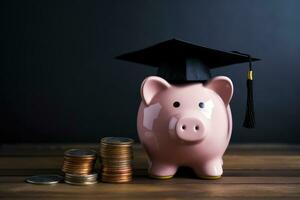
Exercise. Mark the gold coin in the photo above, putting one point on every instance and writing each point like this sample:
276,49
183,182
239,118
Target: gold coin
118,150
125,147
85,160
74,171
116,157
115,166
78,165
116,175
116,180
77,169
113,160
79,173
115,152
116,163
116,170
81,166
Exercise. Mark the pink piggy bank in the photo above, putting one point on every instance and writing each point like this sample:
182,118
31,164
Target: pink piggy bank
185,125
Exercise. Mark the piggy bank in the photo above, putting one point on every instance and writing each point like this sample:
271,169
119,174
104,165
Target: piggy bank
185,125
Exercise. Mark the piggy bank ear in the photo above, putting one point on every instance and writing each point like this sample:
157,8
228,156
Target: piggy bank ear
152,86
223,86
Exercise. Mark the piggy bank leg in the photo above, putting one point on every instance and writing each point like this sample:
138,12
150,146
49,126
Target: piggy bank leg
161,170
211,169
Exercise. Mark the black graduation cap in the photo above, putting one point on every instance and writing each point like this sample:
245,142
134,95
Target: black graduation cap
182,62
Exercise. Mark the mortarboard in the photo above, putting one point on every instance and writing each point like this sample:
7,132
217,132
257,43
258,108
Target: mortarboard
182,62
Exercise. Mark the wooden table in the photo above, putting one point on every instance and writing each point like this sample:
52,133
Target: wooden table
250,172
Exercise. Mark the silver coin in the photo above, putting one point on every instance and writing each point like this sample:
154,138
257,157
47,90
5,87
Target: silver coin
80,153
44,179
84,183
116,140
94,175
79,181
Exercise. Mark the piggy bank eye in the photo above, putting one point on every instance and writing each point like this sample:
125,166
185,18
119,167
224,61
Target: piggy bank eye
201,105
206,108
176,104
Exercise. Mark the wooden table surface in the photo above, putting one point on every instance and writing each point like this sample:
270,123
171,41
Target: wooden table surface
250,172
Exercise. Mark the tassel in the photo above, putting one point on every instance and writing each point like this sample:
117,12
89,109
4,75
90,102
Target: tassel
249,121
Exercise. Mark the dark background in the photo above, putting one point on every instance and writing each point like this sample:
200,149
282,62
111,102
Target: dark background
61,83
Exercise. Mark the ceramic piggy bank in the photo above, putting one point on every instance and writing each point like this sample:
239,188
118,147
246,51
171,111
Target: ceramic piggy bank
185,125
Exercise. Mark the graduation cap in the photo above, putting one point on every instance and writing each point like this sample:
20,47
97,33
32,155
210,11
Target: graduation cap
182,62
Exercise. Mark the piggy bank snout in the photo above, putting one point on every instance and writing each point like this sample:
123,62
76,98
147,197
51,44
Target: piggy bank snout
190,129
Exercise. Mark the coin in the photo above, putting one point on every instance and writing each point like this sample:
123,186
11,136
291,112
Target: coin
82,164
116,140
84,183
81,179
80,153
109,180
79,161
117,176
115,162
44,179
93,175
117,170
116,159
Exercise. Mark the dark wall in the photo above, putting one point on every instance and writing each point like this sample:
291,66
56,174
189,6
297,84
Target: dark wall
61,83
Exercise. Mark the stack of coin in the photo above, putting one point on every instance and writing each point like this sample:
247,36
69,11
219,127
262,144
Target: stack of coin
116,159
78,166
81,179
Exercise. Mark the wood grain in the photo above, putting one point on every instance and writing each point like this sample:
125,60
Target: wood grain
251,171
